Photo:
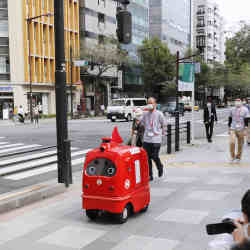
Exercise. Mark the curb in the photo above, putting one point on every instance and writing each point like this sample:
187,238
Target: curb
23,197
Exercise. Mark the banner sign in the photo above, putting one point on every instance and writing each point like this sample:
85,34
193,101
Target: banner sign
186,77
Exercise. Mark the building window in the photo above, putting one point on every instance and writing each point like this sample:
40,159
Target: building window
101,18
45,70
102,2
3,4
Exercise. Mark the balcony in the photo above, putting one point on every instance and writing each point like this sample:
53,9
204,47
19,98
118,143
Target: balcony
200,12
200,25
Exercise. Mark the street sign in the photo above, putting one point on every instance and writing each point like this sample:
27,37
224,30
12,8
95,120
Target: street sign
81,63
186,77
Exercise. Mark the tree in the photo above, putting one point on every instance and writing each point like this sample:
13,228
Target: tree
238,48
158,66
106,57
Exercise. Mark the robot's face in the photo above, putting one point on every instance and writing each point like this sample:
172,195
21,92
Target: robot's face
101,167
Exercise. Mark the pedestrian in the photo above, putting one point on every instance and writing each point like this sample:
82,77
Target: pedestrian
154,123
248,120
237,124
40,109
209,115
36,115
21,114
138,129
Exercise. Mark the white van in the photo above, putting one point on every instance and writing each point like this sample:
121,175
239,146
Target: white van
124,108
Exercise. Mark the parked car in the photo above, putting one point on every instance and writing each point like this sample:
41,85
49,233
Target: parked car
188,107
124,108
170,108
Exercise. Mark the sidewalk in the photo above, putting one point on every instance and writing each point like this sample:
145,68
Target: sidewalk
199,187
50,120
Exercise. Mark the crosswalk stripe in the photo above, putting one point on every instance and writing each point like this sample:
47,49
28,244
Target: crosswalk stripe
2,137
42,170
18,148
12,145
29,157
3,143
23,166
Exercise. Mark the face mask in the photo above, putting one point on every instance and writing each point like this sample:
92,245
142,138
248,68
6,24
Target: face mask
238,104
209,104
150,106
243,102
246,230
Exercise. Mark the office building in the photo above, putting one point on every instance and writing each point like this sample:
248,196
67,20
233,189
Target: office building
6,90
32,52
171,21
210,23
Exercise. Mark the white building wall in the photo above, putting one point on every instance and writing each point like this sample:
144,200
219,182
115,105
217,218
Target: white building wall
213,30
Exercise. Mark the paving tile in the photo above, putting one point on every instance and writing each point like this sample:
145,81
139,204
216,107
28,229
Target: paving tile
146,243
183,216
207,195
74,237
177,179
224,180
19,227
161,191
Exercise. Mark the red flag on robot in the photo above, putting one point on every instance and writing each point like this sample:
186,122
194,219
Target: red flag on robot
116,136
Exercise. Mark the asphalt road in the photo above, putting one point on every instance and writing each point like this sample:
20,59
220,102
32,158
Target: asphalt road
87,134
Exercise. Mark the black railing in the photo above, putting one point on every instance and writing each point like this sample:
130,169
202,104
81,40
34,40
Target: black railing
184,128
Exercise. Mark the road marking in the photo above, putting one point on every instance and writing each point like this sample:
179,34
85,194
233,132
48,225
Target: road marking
38,171
2,137
29,157
3,143
12,145
23,166
19,148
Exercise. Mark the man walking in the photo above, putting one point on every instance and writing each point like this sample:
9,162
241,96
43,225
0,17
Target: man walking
209,115
237,124
153,122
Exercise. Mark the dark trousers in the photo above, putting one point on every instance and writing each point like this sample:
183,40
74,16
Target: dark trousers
153,150
209,129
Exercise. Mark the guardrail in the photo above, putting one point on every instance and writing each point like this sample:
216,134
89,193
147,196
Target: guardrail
184,128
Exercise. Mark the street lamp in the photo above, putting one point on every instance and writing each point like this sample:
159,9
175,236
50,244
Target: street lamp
200,45
29,21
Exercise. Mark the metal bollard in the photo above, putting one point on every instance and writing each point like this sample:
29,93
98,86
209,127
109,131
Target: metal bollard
177,132
188,132
169,138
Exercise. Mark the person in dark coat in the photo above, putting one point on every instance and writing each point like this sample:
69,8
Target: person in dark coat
209,116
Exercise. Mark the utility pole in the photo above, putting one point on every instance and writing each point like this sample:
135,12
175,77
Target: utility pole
177,117
63,143
71,83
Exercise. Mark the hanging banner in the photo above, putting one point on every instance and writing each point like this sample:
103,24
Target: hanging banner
186,77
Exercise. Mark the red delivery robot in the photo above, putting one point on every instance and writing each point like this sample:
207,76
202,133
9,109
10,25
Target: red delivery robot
115,179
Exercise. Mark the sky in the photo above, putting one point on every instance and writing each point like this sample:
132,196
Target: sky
234,11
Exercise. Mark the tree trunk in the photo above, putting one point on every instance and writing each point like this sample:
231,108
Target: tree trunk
97,103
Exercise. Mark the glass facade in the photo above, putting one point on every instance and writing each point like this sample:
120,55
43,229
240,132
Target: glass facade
140,29
170,21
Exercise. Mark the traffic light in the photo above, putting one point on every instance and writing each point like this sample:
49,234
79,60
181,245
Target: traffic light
124,26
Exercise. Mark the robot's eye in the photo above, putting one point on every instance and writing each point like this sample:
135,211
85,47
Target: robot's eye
110,171
91,170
